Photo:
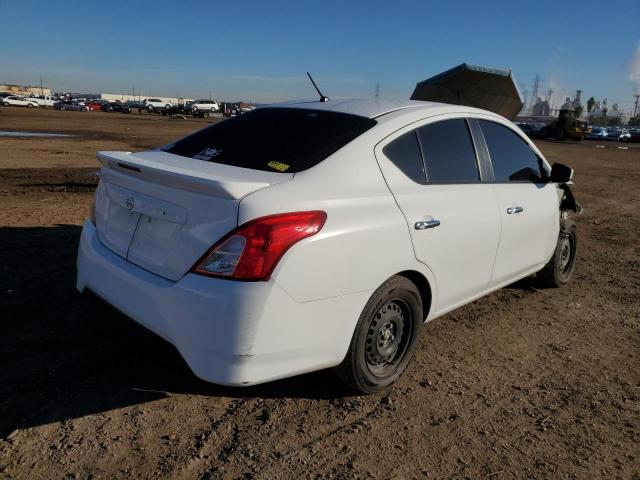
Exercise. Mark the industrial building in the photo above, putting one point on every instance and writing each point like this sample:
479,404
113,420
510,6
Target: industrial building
24,89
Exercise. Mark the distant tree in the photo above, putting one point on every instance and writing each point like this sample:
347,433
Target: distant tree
590,103
635,121
614,121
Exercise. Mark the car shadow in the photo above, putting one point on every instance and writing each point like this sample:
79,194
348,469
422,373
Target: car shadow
66,355
528,284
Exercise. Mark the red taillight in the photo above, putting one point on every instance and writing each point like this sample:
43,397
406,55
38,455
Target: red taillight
251,251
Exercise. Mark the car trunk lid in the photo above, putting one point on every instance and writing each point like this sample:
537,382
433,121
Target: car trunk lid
162,212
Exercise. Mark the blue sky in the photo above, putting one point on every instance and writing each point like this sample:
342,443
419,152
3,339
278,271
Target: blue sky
260,50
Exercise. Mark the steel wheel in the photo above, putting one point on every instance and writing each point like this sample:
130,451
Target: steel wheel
559,270
387,337
384,338
567,253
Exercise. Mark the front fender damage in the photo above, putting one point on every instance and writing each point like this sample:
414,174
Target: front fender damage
567,200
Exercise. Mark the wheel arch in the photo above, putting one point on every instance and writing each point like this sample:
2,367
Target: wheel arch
423,286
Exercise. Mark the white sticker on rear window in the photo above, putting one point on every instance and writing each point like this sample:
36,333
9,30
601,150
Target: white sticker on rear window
207,154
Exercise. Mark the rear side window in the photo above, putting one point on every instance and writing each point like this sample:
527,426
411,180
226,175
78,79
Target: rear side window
448,152
273,139
404,152
512,158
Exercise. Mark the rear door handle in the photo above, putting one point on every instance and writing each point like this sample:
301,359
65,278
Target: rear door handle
512,210
426,224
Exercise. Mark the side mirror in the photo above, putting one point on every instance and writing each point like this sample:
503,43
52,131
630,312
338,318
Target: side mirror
561,173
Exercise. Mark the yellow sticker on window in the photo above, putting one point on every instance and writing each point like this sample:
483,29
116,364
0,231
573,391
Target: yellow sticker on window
281,167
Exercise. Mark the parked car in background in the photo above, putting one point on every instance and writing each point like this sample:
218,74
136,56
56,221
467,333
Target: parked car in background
94,105
116,107
597,133
204,105
18,101
156,104
625,136
311,235
613,133
135,104
532,130
634,134
71,105
43,100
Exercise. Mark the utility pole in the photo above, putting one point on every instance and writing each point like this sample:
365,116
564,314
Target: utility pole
377,91
635,109
534,93
42,90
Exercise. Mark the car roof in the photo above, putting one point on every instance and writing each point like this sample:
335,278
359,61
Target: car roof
365,107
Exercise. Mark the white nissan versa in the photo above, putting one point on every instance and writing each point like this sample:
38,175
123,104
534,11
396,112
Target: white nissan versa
320,234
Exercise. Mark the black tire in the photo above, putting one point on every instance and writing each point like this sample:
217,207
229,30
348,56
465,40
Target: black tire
560,268
29,105
384,338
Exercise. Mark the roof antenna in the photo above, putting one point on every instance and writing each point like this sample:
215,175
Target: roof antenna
322,97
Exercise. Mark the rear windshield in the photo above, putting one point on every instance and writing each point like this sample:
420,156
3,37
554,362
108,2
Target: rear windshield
273,139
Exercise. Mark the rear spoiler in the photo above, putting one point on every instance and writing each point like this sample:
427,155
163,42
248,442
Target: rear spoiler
190,174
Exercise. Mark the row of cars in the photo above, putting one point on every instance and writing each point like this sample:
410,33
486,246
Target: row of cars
615,133
197,107
540,130
63,104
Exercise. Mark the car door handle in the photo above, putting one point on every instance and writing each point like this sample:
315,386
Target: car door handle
512,210
426,224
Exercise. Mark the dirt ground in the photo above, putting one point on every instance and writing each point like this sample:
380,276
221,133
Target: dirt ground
524,383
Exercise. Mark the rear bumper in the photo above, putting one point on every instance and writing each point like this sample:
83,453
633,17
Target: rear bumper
231,333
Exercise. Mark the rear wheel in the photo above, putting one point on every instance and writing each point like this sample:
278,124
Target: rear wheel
385,337
560,268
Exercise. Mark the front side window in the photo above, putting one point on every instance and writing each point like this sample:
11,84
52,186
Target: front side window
448,152
273,139
512,158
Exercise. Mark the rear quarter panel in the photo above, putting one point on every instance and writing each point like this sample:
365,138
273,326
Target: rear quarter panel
365,239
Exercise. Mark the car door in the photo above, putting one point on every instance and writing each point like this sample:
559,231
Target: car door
528,202
434,175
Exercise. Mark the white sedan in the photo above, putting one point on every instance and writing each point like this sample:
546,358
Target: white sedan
319,234
17,101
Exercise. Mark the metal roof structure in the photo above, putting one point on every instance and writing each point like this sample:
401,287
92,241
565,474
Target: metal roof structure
473,86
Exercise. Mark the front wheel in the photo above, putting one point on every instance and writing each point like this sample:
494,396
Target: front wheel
560,268
385,337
